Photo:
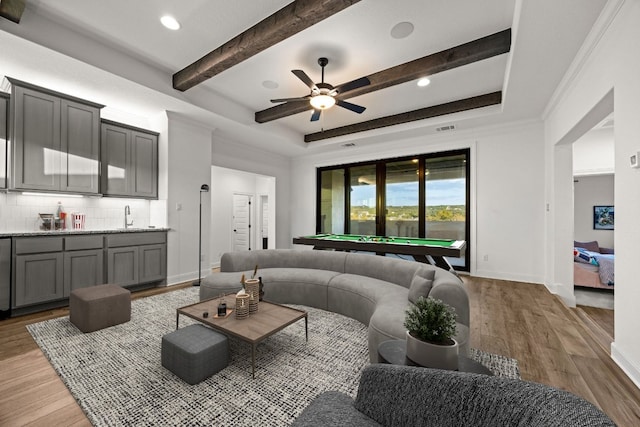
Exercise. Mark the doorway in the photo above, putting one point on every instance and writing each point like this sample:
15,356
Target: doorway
242,214
231,192
593,188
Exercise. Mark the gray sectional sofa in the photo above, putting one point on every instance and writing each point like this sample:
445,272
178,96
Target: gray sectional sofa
391,395
374,290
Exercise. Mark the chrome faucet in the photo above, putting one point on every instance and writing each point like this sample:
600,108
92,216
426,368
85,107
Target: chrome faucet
127,212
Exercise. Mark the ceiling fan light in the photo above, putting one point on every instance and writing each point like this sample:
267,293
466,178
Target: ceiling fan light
322,102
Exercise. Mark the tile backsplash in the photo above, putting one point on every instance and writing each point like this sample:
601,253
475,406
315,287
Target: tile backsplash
20,212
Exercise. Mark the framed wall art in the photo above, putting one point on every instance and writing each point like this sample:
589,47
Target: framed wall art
603,218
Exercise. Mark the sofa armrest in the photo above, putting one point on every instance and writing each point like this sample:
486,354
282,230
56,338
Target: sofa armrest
332,408
396,395
215,284
454,295
607,251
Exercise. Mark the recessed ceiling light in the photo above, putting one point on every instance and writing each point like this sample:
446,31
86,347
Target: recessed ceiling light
170,22
270,84
424,82
402,30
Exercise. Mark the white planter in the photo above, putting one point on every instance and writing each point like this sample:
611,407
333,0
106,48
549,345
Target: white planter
432,355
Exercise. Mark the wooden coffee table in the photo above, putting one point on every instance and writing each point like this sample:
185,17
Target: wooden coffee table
269,319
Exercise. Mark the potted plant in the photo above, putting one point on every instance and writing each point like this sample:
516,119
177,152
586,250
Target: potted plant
431,326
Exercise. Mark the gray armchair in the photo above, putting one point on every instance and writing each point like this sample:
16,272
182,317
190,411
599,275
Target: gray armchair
391,395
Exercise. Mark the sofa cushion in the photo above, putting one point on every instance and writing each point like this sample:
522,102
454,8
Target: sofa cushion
283,258
421,285
304,286
410,396
392,270
357,296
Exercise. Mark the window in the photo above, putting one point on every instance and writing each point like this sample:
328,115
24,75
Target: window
419,196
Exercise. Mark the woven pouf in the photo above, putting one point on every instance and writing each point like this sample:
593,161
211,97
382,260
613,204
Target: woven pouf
194,353
98,307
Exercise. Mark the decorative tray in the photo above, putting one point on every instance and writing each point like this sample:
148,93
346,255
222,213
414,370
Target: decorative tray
229,311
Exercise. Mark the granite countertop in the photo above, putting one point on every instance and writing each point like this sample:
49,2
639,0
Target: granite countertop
78,232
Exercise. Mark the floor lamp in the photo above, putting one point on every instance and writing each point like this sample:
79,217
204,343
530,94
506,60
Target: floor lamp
203,189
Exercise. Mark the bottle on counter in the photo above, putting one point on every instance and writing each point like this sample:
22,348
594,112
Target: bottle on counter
61,217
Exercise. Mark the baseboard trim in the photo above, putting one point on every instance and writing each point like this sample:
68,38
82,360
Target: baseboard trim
488,274
625,364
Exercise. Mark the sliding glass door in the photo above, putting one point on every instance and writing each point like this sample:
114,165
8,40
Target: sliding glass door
363,200
420,196
402,206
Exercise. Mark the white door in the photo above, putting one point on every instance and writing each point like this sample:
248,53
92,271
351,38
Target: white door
241,222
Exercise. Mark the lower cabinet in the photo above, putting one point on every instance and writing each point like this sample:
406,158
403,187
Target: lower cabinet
83,269
136,258
47,268
123,266
153,262
39,278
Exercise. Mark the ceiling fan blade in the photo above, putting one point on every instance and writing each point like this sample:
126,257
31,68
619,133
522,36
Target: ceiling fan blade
306,80
353,84
316,115
302,98
349,106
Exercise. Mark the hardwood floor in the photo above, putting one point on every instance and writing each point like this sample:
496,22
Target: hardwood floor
555,345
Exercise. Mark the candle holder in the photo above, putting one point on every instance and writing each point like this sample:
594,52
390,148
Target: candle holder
252,287
242,306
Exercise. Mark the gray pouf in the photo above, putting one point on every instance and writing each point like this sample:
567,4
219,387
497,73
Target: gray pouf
194,353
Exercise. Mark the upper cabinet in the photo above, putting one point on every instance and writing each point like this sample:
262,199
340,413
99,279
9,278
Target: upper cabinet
129,161
4,135
55,140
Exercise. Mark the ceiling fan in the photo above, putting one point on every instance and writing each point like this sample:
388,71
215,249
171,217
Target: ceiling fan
323,95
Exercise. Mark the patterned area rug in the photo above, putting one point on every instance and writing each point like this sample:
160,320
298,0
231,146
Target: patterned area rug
116,376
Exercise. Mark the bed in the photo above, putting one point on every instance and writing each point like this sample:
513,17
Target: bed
593,266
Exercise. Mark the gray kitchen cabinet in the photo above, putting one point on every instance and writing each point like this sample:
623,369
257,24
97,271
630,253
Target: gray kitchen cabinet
153,263
136,258
4,137
129,161
83,262
55,140
122,266
38,271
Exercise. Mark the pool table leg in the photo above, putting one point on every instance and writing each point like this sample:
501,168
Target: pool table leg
438,261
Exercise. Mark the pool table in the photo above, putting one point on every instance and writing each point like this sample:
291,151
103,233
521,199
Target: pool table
431,251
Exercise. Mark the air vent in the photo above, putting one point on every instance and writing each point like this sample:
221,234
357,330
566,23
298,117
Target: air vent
446,128
349,144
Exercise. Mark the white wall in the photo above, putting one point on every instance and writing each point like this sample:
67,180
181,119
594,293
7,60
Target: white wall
188,167
608,68
590,191
507,195
594,153
234,155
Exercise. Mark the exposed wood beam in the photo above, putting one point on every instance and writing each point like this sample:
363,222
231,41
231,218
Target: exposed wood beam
286,22
485,100
12,9
477,50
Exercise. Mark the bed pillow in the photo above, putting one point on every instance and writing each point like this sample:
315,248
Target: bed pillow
581,255
590,246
